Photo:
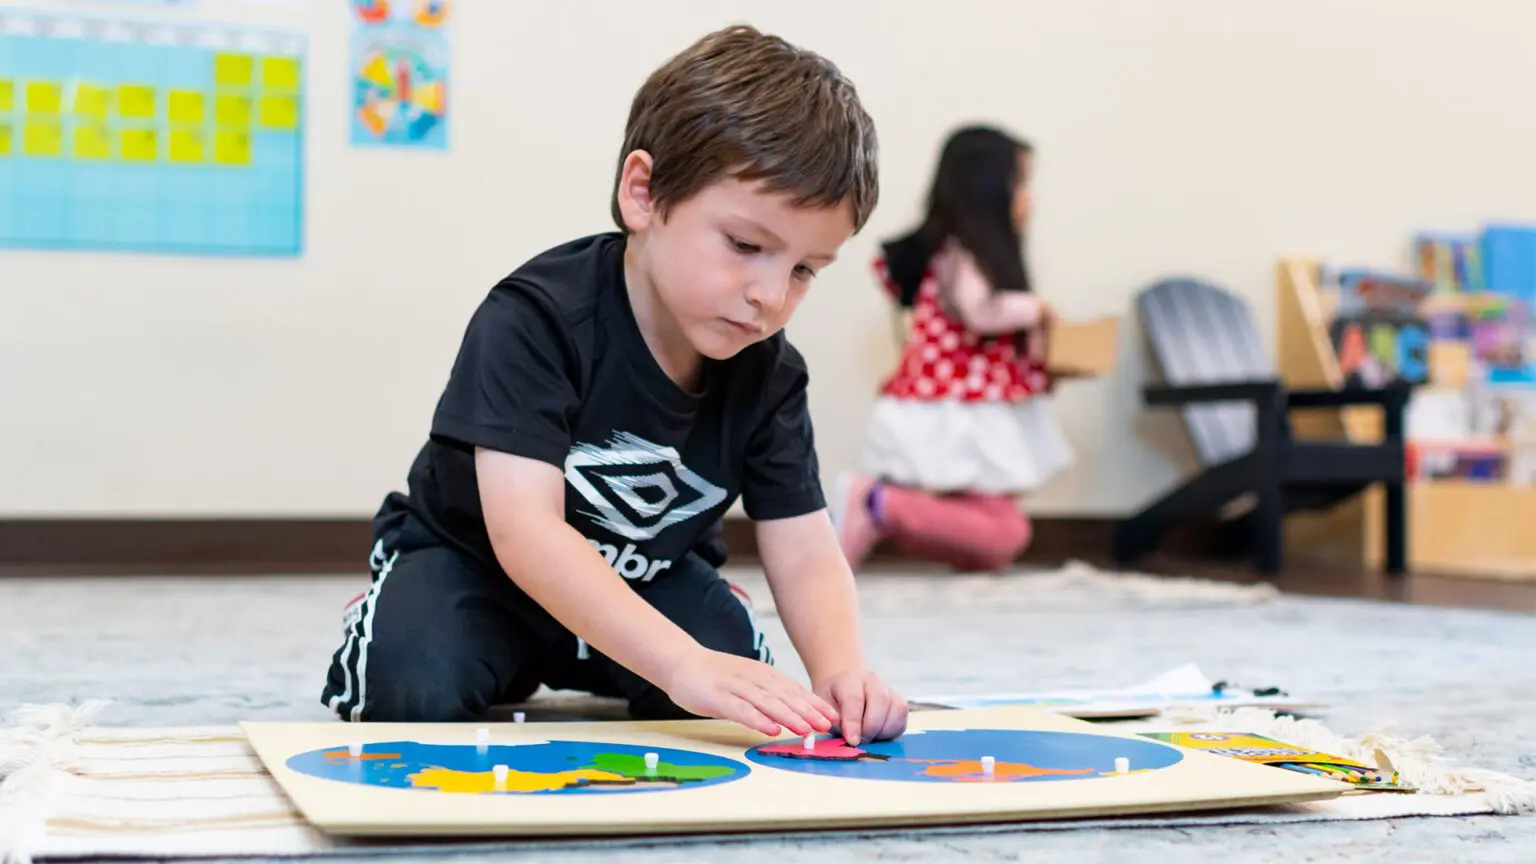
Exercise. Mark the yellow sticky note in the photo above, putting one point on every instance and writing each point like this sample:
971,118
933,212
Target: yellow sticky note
232,112
186,145
93,141
136,100
92,101
185,106
7,96
233,70
279,112
5,139
44,97
42,138
232,148
139,145
280,73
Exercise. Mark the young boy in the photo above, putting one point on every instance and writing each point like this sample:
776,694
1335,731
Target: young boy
610,400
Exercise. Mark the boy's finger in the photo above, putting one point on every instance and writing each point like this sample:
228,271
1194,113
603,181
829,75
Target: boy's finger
877,706
827,709
895,720
788,687
801,705
778,711
741,711
851,710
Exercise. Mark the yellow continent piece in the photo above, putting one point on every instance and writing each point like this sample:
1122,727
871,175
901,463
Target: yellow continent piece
481,782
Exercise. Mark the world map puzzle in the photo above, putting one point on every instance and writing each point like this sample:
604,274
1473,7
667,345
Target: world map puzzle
565,766
589,778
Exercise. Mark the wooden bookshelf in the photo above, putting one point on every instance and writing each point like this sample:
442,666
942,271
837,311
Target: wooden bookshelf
1455,527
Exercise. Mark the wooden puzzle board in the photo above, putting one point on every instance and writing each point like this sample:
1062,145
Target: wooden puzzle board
583,779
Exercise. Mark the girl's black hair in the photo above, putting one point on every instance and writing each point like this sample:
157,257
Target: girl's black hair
971,200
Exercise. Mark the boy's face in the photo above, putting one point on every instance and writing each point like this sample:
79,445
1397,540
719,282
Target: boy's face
732,262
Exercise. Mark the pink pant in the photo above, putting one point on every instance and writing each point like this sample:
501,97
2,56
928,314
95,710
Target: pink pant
968,531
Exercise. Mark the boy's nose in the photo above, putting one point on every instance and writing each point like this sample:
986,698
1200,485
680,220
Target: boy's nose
768,296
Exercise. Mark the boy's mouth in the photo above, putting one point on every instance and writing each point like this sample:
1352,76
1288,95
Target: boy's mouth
747,329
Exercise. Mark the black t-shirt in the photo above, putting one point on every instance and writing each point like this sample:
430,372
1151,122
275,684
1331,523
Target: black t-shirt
553,367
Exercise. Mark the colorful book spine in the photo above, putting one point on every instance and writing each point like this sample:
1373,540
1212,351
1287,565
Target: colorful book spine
1509,260
1278,754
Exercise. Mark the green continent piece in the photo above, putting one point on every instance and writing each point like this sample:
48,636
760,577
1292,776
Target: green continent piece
634,766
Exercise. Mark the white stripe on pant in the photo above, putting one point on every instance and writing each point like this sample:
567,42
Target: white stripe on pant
759,638
360,635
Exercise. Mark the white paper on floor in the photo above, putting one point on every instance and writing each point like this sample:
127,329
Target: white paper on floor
1181,686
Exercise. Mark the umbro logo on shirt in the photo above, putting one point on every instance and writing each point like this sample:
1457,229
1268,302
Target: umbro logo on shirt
636,488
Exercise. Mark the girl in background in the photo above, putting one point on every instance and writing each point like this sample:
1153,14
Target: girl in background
959,430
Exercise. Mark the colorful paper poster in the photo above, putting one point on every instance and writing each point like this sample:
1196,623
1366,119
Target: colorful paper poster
399,66
149,136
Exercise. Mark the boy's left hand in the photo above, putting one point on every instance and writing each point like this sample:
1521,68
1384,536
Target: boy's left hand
866,708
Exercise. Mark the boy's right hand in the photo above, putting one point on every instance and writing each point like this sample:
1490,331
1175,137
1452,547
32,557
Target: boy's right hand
749,692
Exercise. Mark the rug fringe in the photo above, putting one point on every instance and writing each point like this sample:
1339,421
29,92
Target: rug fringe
36,743
1420,762
1156,586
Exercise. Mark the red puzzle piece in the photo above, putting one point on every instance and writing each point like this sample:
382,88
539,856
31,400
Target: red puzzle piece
824,750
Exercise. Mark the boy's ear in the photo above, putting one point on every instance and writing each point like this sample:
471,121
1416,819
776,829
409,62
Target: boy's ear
635,202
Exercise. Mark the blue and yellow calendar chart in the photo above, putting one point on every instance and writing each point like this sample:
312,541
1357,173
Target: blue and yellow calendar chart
166,137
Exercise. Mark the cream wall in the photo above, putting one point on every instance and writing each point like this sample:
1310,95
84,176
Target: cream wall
1198,136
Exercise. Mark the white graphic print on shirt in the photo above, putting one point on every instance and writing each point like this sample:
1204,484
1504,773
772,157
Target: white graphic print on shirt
636,489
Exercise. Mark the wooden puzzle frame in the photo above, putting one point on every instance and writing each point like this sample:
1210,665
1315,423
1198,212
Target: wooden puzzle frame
768,797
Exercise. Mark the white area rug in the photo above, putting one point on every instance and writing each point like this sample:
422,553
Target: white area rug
202,653
79,790
1075,586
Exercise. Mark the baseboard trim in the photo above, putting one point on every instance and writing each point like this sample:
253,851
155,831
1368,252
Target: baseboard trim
213,547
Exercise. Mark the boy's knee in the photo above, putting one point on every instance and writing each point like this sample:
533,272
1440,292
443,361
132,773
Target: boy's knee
733,629
653,704
706,607
422,692
429,700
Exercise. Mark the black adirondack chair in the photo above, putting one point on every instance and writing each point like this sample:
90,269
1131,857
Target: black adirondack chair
1237,413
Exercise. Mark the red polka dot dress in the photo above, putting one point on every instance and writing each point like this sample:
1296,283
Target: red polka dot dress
962,412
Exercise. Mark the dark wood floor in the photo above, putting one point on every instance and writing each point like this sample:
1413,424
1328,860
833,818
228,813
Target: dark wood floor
1190,552
1419,588
1059,540
212,547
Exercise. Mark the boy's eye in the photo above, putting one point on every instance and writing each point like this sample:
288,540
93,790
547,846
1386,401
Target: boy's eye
743,246
805,272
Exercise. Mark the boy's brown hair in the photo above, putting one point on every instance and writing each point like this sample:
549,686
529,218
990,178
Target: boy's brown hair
752,106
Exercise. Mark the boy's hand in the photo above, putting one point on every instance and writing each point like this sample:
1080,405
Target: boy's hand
870,710
749,692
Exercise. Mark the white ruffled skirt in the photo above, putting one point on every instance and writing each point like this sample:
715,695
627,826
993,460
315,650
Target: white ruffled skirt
1001,448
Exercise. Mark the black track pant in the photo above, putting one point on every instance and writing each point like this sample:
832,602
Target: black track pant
440,637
